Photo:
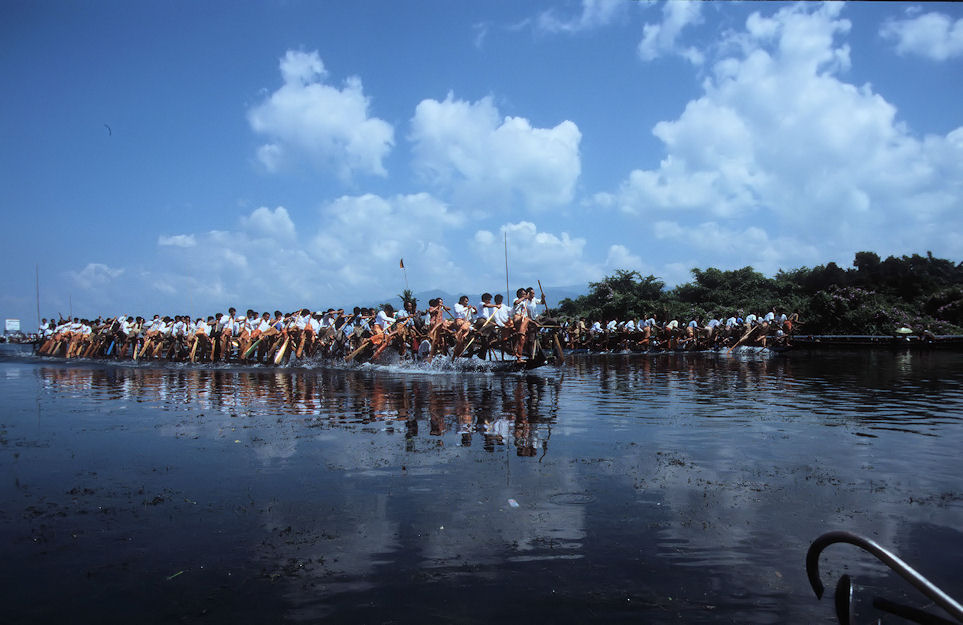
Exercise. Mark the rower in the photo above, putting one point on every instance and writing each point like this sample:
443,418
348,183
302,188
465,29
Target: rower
245,325
385,318
520,320
502,319
463,312
710,328
533,303
225,330
199,336
437,323
306,330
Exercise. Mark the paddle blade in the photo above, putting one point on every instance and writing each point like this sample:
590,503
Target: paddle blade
354,354
280,356
251,349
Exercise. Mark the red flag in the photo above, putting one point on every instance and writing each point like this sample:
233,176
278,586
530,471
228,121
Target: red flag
402,264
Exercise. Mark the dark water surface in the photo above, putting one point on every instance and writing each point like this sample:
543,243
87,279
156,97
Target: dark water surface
648,489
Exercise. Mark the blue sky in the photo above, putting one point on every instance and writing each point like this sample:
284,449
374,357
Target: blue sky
287,154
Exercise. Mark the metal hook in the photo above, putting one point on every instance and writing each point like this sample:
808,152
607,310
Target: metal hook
907,572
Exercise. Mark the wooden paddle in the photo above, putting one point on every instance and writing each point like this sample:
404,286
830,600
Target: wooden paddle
251,349
143,349
542,291
476,333
742,340
284,347
558,349
354,354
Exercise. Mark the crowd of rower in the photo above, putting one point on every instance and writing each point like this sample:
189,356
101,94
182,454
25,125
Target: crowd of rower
521,330
364,333
774,329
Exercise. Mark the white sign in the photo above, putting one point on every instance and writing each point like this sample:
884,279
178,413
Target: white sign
13,325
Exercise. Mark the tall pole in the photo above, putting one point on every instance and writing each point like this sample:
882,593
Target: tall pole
37,266
508,290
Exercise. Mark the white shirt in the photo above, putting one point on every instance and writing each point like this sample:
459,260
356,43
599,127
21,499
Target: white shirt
461,312
382,319
532,306
485,312
500,315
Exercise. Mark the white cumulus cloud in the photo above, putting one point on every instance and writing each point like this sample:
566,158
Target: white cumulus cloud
177,240
360,238
533,254
935,36
660,39
95,275
468,149
620,257
783,155
264,222
594,14
308,119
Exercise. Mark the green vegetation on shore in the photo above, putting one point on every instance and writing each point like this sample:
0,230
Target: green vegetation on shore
872,297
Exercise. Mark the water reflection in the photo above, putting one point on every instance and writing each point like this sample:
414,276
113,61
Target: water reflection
670,488
491,410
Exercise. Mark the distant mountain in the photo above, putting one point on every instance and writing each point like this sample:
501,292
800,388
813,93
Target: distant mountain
556,294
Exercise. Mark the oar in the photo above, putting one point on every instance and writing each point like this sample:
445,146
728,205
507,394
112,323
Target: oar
197,340
542,291
354,354
465,349
284,347
744,337
558,349
251,349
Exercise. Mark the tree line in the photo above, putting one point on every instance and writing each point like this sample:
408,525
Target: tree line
873,296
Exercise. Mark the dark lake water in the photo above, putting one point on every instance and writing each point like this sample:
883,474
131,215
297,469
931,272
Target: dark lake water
627,488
